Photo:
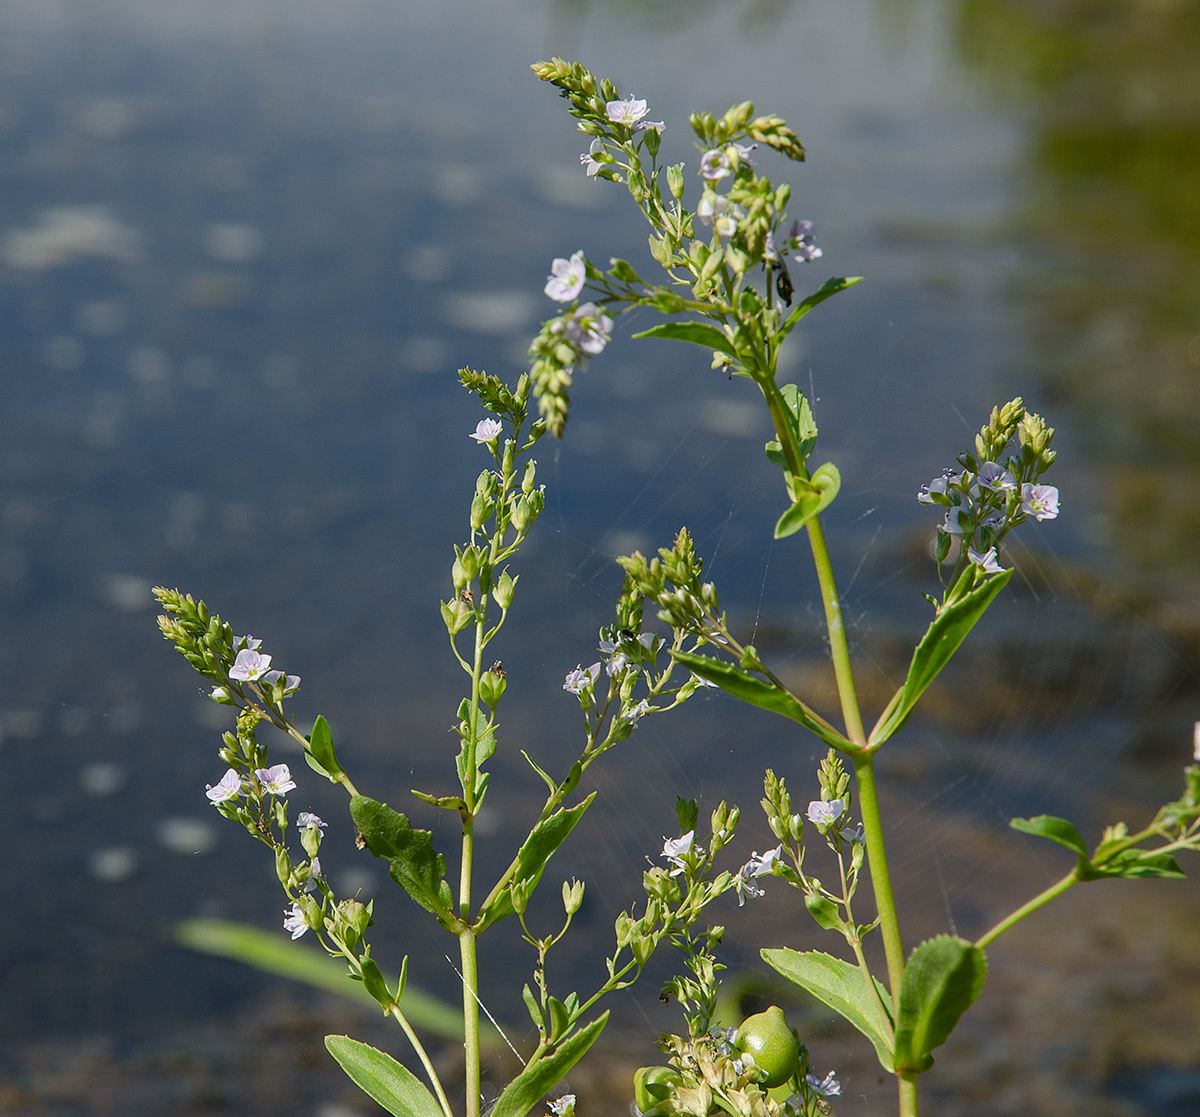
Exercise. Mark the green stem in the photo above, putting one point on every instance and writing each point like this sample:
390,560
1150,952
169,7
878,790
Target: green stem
881,880
470,974
1042,898
908,1094
430,1073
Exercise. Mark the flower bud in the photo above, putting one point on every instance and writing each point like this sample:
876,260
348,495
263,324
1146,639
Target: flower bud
502,591
492,684
572,895
675,180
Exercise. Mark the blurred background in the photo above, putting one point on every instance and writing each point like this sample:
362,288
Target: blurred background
243,248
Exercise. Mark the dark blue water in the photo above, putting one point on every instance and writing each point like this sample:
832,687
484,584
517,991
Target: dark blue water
246,247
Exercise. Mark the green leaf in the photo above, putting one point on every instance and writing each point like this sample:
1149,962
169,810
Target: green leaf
538,848
843,988
272,952
319,753
941,981
542,1075
393,1086
766,695
829,287
1056,829
415,865
698,333
824,911
815,495
942,639
1136,864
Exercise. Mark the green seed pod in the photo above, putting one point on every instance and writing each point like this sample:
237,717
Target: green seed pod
652,1086
767,1041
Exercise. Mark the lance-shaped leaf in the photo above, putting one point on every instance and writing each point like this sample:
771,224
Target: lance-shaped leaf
941,981
274,953
392,1085
541,1075
537,849
843,988
804,427
319,754
829,287
741,684
415,865
812,496
698,333
942,639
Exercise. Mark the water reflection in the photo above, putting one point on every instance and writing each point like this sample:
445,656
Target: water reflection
1113,203
243,250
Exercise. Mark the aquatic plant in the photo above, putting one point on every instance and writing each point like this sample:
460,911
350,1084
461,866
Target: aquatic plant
728,288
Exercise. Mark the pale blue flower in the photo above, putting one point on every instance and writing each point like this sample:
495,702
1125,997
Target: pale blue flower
487,430
823,813
826,1087
580,679
638,711
566,278
958,521
763,864
249,665
277,779
295,921
589,328
221,695
715,210
994,476
1039,501
987,561
309,821
588,158
291,683
629,111
314,872
562,1107
801,241
715,165
229,787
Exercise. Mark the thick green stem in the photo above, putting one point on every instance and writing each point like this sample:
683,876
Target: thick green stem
908,1094
839,651
1042,898
470,975
881,880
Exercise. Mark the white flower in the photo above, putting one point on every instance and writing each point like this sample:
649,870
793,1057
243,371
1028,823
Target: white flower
308,820
1039,501
277,779
566,278
826,1087
648,125
589,328
247,641
229,787
987,561
579,679
675,849
221,694
249,665
629,111
487,430
588,158
822,814
563,1105
704,682
295,921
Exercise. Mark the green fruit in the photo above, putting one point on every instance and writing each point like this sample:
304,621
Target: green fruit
766,1041
652,1087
